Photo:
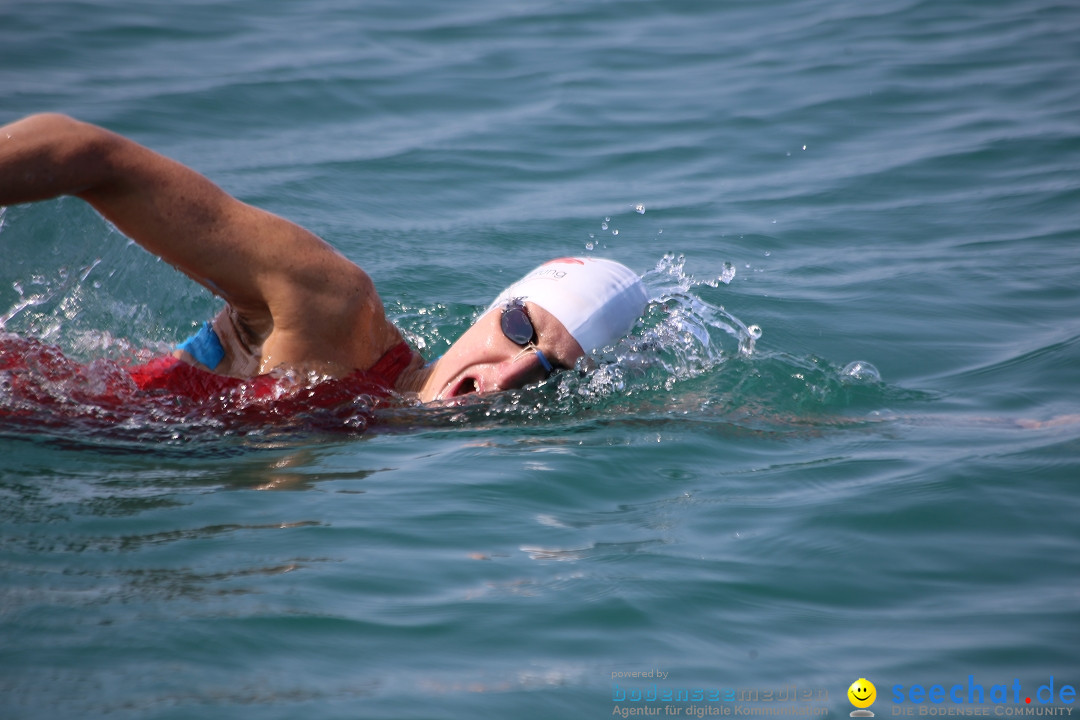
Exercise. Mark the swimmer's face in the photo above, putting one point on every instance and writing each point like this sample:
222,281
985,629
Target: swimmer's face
484,360
862,693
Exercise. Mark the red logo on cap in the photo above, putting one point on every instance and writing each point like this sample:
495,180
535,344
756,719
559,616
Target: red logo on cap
567,260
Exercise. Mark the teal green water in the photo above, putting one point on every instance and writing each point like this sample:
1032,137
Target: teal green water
883,485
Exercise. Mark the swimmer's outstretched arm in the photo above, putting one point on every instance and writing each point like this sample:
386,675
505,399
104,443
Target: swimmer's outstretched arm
310,304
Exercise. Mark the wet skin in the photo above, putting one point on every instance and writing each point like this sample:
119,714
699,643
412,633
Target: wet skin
484,360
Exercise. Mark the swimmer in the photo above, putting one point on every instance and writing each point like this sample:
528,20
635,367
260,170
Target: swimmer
293,301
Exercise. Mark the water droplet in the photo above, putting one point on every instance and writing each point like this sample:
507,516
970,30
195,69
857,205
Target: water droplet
603,225
615,231
589,246
755,331
728,273
861,370
640,209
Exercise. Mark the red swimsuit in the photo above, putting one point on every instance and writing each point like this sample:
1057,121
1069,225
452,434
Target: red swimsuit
180,378
40,387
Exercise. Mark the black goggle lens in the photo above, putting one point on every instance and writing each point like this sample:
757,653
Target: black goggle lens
516,325
518,329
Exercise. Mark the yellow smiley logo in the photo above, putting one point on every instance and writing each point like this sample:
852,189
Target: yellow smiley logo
862,693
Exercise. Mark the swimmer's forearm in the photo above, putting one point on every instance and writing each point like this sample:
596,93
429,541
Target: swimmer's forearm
167,208
275,274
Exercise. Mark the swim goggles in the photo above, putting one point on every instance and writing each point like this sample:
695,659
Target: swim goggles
518,329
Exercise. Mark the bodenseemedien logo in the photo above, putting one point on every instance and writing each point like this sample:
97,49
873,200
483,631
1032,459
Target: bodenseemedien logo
862,695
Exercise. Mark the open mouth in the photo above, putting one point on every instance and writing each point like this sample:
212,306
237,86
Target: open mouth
466,386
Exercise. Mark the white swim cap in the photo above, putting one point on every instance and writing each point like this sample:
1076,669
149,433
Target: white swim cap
597,300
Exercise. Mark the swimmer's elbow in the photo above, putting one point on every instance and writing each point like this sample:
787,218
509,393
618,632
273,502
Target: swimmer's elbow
65,137
46,122
80,155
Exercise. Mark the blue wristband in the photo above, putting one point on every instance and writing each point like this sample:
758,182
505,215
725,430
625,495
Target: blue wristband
204,346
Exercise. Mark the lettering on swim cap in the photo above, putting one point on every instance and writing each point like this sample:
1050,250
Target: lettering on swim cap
545,271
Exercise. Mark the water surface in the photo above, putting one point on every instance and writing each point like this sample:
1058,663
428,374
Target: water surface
880,485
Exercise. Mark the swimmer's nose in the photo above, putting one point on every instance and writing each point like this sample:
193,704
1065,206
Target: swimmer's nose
519,371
